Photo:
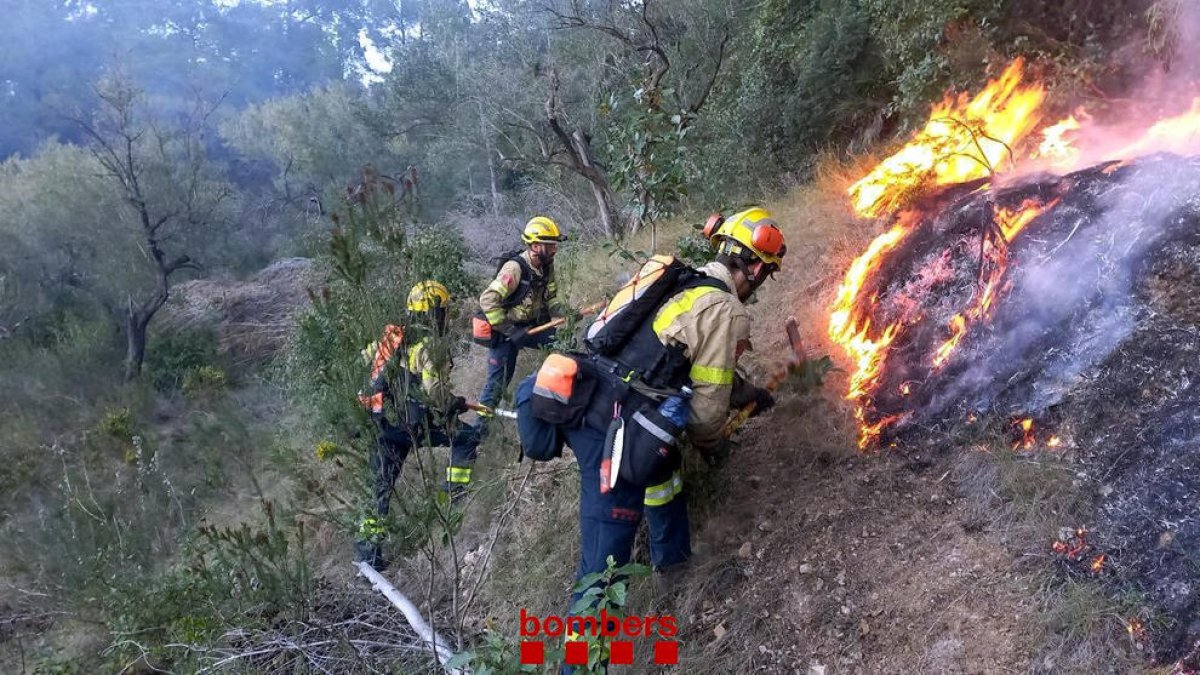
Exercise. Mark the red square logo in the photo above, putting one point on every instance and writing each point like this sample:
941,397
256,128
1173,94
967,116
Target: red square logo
533,653
620,653
577,653
666,653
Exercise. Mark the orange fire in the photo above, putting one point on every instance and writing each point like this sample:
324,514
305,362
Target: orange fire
1072,547
850,325
963,140
1027,440
1053,442
1056,147
1097,564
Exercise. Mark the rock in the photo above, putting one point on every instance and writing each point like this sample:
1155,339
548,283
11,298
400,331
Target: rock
845,610
765,525
816,669
841,578
863,627
720,631
805,569
745,550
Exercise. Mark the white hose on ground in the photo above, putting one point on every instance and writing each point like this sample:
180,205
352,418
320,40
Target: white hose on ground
439,647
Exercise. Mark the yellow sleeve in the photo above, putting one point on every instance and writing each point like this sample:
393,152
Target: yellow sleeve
502,286
710,332
434,382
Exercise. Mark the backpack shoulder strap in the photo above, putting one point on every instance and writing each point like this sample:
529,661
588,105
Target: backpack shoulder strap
523,284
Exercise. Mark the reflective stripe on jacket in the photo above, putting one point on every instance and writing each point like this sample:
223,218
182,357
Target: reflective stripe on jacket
377,385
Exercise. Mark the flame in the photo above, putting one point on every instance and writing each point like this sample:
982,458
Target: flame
1053,442
1056,147
963,140
1074,547
1097,564
850,325
1025,428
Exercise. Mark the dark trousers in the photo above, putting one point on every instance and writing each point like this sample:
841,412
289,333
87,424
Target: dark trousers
608,522
502,362
394,443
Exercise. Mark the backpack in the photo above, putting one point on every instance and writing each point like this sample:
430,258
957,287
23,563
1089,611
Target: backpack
635,303
481,329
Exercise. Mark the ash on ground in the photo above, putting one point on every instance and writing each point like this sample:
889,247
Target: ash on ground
1095,329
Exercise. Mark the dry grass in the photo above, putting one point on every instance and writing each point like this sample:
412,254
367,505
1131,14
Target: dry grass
253,318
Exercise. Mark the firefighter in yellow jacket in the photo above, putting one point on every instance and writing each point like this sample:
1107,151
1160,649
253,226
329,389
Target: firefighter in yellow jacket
517,300
693,339
411,369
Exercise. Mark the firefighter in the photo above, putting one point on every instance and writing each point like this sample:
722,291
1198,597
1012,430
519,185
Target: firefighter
411,368
709,327
517,300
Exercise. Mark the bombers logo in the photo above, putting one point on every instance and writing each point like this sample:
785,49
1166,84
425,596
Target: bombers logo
616,629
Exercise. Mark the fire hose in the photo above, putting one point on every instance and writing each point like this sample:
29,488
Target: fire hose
795,359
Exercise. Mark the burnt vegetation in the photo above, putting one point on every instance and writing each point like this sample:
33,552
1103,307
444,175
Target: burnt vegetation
1093,339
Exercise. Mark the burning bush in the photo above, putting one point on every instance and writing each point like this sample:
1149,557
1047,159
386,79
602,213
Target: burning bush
1045,298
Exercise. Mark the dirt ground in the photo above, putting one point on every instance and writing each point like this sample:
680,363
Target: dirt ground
816,558
854,563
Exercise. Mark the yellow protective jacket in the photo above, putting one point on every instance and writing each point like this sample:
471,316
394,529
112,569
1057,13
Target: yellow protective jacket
713,327
535,304
427,362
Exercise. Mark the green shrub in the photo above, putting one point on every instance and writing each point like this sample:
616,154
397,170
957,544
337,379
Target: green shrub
204,381
695,250
118,423
170,356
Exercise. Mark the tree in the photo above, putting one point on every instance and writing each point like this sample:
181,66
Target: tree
170,189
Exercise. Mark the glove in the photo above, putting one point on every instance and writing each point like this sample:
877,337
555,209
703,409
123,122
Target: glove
518,336
745,393
458,406
763,401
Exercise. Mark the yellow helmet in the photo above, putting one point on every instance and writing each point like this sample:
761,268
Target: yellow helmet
541,230
427,296
753,230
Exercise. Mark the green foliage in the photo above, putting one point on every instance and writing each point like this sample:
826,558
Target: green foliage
118,423
170,357
694,249
374,259
647,154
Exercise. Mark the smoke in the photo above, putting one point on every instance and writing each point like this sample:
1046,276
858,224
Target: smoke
1075,275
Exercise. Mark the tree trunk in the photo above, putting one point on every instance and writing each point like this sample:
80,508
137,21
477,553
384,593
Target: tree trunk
604,206
135,353
600,189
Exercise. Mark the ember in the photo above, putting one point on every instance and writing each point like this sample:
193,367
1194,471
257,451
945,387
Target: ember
1072,546
1097,565
1025,438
